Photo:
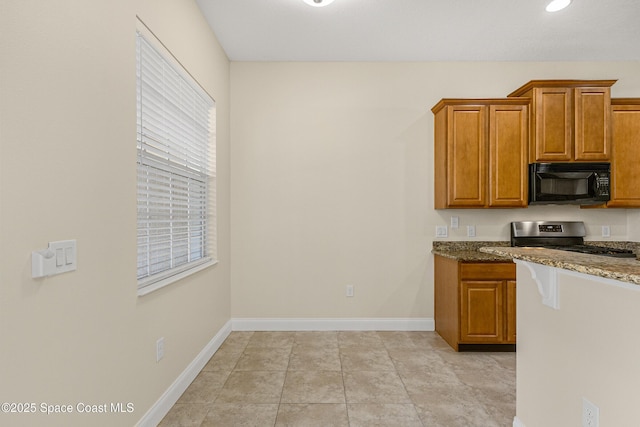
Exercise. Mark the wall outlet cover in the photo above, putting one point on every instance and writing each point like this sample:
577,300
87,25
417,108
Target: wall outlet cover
590,414
471,231
441,231
455,221
159,349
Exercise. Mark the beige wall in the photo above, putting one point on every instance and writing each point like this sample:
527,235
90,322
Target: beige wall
333,184
586,349
67,171
633,224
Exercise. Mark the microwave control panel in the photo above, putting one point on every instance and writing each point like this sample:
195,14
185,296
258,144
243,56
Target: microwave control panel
602,184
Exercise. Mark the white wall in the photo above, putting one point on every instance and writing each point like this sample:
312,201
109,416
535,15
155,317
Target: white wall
333,181
67,171
586,349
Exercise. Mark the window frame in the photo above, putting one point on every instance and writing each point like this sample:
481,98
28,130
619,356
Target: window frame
206,177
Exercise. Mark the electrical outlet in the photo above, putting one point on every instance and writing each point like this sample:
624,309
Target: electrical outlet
455,221
441,231
159,349
590,414
471,231
606,231
349,290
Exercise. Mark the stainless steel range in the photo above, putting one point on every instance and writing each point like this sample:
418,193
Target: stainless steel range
562,235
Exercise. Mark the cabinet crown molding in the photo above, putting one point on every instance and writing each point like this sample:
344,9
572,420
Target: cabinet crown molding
480,101
560,83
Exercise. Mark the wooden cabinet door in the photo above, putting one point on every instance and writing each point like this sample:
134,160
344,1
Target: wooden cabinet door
446,297
625,172
508,150
482,311
511,311
466,156
591,123
552,130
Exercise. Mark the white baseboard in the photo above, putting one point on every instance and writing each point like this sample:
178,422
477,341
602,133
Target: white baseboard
162,406
308,324
517,422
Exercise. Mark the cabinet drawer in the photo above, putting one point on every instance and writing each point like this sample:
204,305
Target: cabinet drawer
488,271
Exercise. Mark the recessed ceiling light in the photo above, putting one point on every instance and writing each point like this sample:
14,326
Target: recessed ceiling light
318,3
557,5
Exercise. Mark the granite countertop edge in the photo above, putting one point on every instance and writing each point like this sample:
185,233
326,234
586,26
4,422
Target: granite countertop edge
622,269
472,256
468,251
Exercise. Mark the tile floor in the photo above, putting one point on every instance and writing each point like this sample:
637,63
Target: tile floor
399,379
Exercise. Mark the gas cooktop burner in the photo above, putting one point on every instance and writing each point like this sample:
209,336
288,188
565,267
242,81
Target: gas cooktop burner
595,250
560,235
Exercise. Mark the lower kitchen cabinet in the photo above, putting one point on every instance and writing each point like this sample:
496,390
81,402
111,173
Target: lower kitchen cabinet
475,303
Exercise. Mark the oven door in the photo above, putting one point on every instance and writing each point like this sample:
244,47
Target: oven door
569,183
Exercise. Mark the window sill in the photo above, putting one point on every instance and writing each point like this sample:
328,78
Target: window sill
159,284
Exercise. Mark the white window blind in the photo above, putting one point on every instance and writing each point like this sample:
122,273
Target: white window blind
175,168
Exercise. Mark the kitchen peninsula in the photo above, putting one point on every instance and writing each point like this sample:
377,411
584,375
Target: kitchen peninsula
626,270
577,325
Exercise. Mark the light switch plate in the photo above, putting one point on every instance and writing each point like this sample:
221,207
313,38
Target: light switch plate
59,257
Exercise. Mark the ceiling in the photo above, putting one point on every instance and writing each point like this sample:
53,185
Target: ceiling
425,30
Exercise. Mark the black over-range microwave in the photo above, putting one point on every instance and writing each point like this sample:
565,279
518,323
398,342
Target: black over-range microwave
569,183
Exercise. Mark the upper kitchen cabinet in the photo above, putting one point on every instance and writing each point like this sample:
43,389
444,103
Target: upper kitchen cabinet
481,153
625,174
569,119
